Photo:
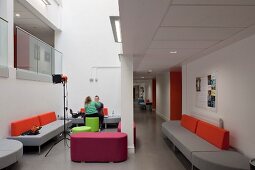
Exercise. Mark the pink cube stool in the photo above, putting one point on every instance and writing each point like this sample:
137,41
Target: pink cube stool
119,130
99,147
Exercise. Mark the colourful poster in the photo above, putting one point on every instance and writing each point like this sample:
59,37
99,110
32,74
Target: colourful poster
206,92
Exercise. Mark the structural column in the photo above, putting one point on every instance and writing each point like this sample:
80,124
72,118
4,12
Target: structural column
127,111
184,89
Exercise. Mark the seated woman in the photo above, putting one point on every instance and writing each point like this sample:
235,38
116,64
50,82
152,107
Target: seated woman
91,109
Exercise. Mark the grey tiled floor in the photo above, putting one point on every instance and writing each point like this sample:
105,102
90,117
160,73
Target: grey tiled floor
152,153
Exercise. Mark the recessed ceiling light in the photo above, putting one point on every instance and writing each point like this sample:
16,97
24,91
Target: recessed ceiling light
149,71
17,15
142,77
173,52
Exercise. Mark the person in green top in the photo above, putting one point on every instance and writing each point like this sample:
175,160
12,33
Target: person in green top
91,109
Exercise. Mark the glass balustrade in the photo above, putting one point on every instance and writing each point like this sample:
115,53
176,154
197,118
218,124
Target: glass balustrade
35,55
57,62
3,43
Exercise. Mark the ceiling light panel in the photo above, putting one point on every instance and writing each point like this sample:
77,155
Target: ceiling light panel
116,28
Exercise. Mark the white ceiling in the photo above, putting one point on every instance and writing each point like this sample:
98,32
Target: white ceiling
153,28
32,24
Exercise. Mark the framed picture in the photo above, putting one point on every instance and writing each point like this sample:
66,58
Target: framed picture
198,84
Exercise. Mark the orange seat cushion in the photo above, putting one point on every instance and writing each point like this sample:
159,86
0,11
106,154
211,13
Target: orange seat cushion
189,123
105,111
21,126
47,118
213,134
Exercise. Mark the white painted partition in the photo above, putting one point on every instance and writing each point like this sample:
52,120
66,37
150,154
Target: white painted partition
163,95
127,110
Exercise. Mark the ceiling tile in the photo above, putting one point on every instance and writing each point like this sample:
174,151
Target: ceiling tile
181,44
210,16
213,2
23,15
159,62
157,59
194,34
166,52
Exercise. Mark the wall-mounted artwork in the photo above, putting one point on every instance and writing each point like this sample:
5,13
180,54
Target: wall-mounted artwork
206,92
198,84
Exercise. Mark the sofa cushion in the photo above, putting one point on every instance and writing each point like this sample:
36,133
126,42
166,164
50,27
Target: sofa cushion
46,133
21,126
189,123
47,118
105,111
213,134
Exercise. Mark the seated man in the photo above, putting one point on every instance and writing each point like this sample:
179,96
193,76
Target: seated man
99,108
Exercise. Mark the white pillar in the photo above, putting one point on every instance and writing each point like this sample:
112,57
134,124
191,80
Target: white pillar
127,111
184,89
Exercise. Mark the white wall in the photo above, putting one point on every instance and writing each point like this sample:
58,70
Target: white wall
235,68
163,95
86,41
20,98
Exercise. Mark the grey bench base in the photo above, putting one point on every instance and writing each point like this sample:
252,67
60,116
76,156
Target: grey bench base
223,160
107,120
47,132
199,152
11,151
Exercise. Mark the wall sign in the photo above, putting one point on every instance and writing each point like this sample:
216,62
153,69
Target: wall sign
206,92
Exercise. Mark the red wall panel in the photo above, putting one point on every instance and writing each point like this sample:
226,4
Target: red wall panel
175,95
154,93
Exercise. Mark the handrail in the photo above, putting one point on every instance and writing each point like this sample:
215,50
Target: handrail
3,19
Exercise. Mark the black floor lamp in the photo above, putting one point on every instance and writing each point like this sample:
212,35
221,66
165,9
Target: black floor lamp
252,164
59,78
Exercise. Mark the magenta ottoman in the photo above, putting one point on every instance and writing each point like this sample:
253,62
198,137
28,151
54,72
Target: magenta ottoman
119,130
99,147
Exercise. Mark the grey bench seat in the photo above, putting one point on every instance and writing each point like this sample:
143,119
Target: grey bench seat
223,160
200,153
47,132
186,141
11,151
